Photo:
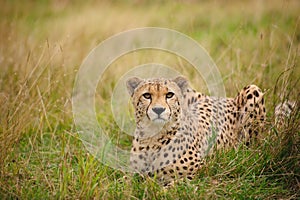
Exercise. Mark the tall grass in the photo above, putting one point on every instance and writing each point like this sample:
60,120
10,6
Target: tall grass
42,46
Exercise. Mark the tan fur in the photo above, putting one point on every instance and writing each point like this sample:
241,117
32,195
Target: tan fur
174,134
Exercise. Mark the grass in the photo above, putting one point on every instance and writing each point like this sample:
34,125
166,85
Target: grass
42,46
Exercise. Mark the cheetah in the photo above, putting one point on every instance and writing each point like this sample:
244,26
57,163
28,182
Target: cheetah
176,127
283,111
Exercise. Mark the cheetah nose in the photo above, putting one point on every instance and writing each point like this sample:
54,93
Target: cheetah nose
158,110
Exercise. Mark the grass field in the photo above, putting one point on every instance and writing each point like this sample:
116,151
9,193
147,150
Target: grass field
42,45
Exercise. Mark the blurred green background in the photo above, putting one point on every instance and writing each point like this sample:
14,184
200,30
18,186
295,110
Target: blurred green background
43,43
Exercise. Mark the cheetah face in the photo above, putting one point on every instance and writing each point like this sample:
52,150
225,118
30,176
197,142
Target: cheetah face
156,101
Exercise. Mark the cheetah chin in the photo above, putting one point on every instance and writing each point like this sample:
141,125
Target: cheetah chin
159,121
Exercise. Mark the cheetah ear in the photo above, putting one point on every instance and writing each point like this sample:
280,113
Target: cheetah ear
132,84
182,83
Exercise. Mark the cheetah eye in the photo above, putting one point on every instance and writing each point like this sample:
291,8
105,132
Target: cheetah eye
147,95
169,95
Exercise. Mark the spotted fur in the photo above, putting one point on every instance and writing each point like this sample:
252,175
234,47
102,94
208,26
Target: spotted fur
176,127
283,112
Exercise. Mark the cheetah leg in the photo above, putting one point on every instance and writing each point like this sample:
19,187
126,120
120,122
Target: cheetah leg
251,112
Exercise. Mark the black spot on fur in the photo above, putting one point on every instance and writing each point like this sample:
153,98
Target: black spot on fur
255,93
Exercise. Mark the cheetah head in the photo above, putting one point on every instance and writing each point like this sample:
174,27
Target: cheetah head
157,101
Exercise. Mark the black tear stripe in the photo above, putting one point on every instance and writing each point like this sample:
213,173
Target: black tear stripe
147,110
148,106
170,110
